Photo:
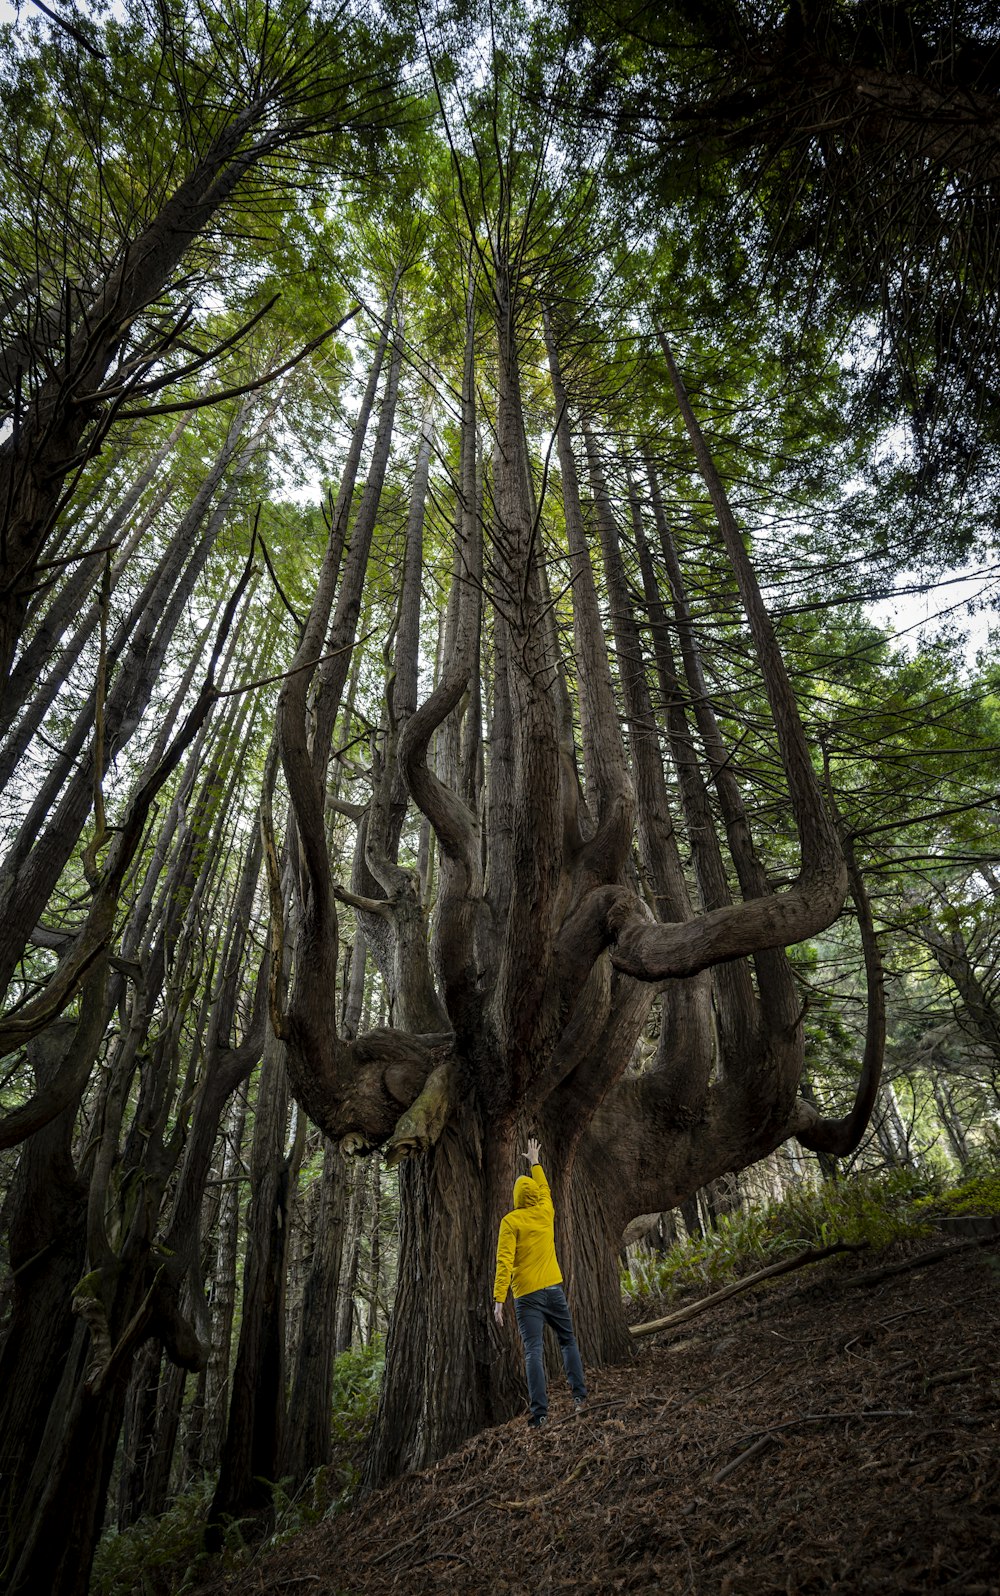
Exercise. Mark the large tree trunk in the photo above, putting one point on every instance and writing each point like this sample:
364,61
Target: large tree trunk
59,1549
449,1372
544,958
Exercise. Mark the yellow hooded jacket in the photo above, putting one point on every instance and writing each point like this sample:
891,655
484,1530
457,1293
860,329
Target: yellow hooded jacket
526,1246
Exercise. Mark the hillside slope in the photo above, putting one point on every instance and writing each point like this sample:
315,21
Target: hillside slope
827,1433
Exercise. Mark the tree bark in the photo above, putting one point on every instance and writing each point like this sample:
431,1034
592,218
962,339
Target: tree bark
46,1218
223,1300
449,1371
308,1433
252,1449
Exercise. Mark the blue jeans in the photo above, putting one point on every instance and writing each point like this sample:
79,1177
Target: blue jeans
534,1311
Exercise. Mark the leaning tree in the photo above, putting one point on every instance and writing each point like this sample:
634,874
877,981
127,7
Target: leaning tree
565,902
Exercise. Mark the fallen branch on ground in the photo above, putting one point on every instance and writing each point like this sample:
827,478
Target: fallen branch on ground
763,1445
811,1255
871,1277
829,1418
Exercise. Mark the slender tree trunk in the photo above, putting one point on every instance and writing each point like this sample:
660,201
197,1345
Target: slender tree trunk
951,1121
32,868
46,1218
308,1439
251,1453
129,1293
170,1401
138,1434
374,1255
350,1257
889,1128
981,1015
69,601
38,697
223,1303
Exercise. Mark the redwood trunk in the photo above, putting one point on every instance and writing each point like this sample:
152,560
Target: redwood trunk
449,1371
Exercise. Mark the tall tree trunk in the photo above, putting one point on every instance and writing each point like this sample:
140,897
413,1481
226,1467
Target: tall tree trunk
69,601
350,1257
951,1121
38,697
46,1219
374,1254
67,414
31,868
251,1452
308,1432
138,1434
980,1016
170,1401
223,1278
132,1289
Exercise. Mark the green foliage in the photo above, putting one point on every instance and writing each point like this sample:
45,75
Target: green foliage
876,1211
165,1556
357,1377
979,1195
157,1556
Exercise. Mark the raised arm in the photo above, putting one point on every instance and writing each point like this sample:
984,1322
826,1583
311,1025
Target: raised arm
537,1172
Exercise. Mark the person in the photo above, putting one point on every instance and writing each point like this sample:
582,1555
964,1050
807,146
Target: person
526,1261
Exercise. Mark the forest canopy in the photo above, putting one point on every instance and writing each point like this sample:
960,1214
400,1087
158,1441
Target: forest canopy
497,580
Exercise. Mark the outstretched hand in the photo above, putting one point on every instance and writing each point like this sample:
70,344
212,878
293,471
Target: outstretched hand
534,1148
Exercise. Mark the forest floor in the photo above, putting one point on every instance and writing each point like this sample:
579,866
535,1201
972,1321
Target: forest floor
825,1432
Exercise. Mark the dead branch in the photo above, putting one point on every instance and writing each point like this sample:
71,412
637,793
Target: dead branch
763,1445
871,1277
799,1261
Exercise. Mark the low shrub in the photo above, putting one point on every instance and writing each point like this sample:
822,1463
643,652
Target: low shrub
874,1210
978,1195
157,1556
165,1556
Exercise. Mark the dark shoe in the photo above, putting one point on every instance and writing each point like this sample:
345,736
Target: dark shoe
537,1424
579,1406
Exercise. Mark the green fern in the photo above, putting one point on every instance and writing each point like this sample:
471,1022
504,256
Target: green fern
872,1210
165,1556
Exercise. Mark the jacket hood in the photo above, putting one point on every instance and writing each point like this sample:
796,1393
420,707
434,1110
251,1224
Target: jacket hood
527,1192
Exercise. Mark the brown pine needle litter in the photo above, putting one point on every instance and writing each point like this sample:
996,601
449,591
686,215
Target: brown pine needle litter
810,1438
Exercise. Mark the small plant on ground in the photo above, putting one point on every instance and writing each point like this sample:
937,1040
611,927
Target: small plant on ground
357,1378
156,1556
980,1194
